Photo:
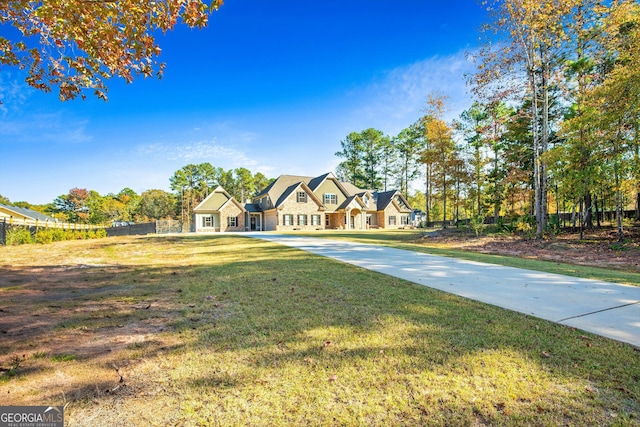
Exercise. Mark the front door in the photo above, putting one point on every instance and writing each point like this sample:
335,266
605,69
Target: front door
255,223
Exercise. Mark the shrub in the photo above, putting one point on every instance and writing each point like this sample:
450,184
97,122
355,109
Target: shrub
526,225
476,223
553,225
18,236
44,236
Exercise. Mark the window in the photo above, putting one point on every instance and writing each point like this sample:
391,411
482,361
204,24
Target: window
207,221
287,219
315,219
404,220
302,197
232,221
302,220
392,220
330,199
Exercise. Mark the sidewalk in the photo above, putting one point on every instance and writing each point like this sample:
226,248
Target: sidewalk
607,309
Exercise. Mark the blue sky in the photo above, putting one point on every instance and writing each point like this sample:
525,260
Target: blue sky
270,86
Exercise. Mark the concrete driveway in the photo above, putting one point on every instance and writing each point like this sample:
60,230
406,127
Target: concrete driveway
608,309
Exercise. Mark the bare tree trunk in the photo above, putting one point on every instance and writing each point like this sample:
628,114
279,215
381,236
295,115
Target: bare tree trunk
444,200
618,204
588,215
427,194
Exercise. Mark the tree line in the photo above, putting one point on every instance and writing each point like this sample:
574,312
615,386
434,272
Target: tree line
190,185
553,128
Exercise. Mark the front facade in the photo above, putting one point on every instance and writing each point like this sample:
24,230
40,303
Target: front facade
219,212
321,203
304,203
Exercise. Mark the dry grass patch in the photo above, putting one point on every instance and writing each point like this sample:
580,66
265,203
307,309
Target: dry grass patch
227,330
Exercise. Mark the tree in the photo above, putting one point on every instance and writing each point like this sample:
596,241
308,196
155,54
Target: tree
614,105
352,168
261,182
4,200
129,200
534,32
388,161
409,144
441,152
498,114
472,124
244,184
186,182
74,205
373,142
77,45
156,204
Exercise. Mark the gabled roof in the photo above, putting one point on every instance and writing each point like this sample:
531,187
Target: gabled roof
280,185
280,189
315,182
385,198
350,200
295,187
218,190
26,213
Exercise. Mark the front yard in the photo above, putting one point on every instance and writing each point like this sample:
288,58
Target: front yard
228,330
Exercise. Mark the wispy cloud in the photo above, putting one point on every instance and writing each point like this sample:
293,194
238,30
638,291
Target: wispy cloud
13,93
198,152
398,98
56,128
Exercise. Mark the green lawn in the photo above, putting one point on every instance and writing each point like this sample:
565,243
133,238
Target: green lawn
247,332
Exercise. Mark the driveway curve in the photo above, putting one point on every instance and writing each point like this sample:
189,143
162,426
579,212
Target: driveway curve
608,309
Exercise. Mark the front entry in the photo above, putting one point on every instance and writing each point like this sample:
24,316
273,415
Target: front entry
254,223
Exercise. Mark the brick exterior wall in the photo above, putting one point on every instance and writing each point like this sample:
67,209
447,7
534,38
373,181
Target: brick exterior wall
391,210
230,210
291,206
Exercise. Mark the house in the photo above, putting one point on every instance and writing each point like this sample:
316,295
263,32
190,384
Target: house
304,203
19,215
219,212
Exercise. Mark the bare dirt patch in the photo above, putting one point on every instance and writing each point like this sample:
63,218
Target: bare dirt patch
53,315
597,248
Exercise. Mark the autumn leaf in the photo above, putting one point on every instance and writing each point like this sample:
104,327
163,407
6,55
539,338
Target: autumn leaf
111,38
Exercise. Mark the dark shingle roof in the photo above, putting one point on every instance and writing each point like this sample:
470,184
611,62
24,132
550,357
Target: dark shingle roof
252,207
383,199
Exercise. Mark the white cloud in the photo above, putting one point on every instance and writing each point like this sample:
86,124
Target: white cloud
13,93
398,98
